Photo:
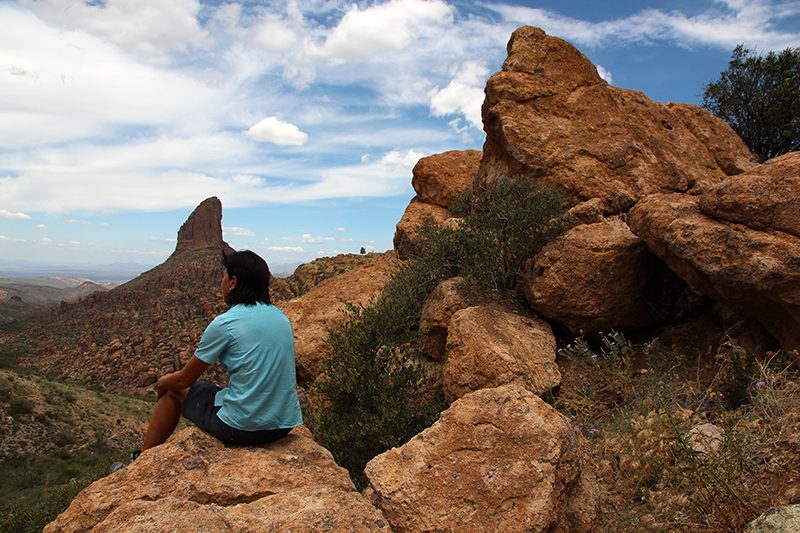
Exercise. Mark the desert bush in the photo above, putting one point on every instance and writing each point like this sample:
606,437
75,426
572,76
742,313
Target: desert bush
375,393
502,225
637,407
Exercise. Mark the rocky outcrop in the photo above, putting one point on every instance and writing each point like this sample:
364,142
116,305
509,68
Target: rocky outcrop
548,115
322,307
497,460
784,519
407,232
489,346
597,277
766,198
436,180
728,149
203,228
195,481
439,178
755,273
308,275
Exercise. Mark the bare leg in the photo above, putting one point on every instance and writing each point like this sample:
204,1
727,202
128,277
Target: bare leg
164,420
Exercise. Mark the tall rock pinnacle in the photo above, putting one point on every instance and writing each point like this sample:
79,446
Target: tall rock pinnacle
203,228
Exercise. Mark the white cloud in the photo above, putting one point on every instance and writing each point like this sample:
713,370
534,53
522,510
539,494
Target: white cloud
71,221
277,132
464,94
338,229
152,28
750,21
233,230
17,216
603,73
159,240
274,34
395,159
387,27
71,85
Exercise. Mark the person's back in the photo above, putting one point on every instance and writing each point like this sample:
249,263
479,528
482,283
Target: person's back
255,344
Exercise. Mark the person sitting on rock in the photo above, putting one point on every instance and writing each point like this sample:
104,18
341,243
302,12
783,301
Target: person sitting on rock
253,341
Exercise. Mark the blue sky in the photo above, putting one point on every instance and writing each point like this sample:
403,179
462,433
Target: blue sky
305,117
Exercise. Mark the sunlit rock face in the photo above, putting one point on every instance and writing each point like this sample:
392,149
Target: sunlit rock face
498,459
194,481
548,115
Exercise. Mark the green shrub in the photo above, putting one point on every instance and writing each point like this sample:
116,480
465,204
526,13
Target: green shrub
375,393
506,223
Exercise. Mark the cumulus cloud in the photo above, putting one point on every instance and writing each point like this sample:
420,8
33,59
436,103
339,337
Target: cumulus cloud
395,158
603,73
464,94
72,85
277,132
338,229
285,249
242,232
18,216
274,34
387,27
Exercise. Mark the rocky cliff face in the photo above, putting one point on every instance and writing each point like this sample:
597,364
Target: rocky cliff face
676,168
203,228
548,115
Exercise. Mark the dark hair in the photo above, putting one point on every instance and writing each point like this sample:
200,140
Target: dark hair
252,278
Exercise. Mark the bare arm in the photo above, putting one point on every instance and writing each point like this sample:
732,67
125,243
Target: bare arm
183,378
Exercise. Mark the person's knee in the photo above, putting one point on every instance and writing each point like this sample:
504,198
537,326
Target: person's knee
176,396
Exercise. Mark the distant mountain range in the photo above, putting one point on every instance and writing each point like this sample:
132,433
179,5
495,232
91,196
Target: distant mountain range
115,272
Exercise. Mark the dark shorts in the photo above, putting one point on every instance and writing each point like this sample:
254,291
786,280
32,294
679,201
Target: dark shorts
198,407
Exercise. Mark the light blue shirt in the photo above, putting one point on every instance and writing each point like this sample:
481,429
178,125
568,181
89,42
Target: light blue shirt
255,344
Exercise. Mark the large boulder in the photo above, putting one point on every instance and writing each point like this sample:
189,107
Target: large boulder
497,460
194,482
728,149
755,273
490,345
322,307
550,116
766,198
596,277
406,235
438,178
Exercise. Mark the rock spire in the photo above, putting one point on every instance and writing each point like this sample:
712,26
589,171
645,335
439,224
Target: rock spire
203,228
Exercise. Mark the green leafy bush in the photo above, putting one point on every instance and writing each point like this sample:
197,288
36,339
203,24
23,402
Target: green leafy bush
376,393
506,223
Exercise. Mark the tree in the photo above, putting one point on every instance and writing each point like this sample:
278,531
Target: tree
759,96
